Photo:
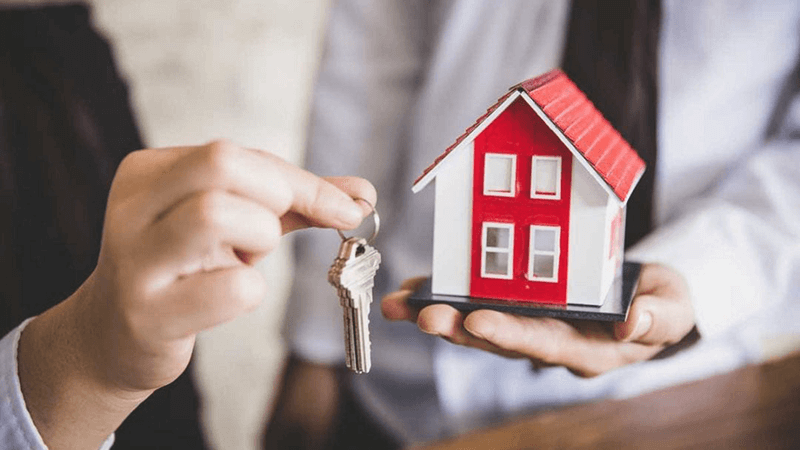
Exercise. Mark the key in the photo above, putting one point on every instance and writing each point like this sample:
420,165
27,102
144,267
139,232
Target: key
353,273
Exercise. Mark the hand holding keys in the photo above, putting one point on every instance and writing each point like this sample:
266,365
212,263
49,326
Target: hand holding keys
352,274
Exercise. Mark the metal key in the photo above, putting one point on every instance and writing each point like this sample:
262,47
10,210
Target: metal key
353,273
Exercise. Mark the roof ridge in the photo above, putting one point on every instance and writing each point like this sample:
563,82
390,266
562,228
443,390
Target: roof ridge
541,80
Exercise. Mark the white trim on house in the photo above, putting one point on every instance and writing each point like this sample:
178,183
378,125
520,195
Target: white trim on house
508,250
555,253
419,185
512,187
557,194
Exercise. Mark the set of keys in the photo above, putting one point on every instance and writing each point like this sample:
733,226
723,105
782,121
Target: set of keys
353,274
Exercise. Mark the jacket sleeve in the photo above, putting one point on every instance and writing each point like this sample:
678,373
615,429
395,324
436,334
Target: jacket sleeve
16,425
367,81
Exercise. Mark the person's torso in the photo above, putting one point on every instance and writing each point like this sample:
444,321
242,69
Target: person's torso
721,67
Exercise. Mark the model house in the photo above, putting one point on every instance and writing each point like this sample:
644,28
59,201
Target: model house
530,200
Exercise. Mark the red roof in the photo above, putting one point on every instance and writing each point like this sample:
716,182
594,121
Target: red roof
579,122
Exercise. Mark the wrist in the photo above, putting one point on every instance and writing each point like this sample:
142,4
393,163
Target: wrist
71,406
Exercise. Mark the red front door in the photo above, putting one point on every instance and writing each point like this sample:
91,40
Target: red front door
521,192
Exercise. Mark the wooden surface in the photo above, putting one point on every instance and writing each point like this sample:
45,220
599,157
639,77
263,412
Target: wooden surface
756,407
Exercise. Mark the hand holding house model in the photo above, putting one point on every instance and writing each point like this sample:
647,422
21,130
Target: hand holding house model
530,209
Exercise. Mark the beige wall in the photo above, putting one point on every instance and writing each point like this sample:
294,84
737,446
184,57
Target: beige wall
239,69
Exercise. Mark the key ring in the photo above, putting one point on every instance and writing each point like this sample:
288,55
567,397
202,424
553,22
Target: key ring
375,217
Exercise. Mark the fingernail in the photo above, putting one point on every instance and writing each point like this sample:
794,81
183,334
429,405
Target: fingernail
645,322
349,212
481,330
428,329
431,332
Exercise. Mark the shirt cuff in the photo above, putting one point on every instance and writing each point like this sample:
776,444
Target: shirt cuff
16,425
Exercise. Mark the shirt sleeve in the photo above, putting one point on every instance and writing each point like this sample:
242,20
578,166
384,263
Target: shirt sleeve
17,430
368,77
739,246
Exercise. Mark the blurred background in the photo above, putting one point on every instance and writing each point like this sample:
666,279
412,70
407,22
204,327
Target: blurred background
242,70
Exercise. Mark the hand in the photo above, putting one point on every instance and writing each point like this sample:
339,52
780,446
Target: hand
183,230
661,315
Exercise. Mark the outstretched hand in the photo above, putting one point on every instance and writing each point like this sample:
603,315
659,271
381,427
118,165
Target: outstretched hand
183,229
661,315
182,232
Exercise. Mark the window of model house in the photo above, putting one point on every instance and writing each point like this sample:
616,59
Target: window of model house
546,177
499,176
497,250
544,252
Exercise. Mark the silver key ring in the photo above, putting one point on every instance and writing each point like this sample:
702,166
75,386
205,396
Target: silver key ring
375,217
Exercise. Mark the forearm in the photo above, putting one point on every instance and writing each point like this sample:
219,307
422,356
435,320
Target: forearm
70,407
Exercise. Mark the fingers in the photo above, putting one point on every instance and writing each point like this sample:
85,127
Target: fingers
661,313
216,166
189,238
395,306
587,352
412,284
324,205
257,175
356,187
353,187
203,300
448,323
441,320
537,338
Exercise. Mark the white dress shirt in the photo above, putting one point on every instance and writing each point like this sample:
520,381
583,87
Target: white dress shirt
401,79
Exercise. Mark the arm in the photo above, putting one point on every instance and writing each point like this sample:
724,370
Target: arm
183,229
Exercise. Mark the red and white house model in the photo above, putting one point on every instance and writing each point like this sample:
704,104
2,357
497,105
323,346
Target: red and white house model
530,200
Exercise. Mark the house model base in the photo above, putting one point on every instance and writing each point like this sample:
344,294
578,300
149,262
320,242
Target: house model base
614,308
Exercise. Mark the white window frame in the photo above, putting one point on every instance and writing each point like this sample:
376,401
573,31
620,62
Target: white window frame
510,250
513,191
556,253
557,195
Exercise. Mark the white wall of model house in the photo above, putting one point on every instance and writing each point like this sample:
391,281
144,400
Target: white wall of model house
452,218
592,211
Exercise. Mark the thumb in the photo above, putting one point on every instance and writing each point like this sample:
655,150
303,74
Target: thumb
655,320
334,198
661,313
